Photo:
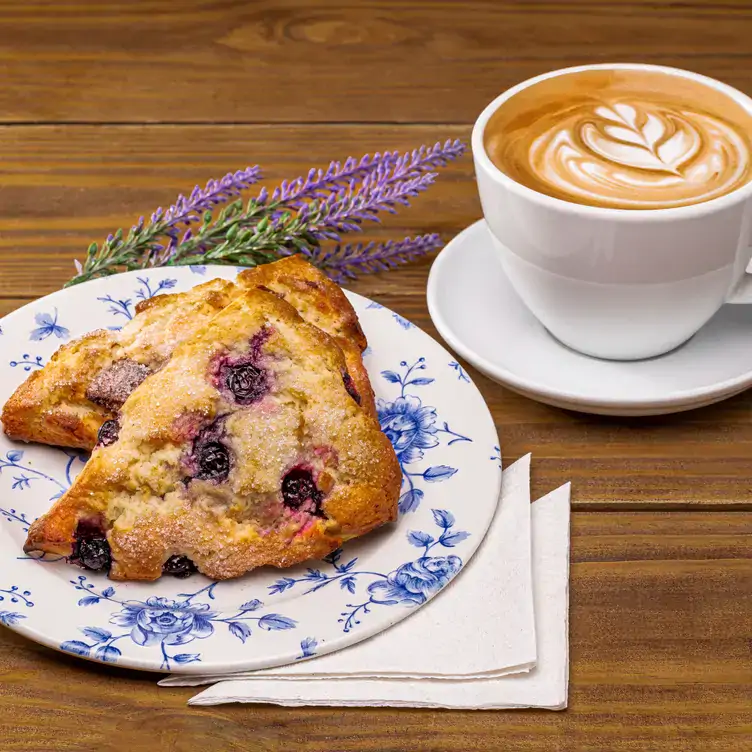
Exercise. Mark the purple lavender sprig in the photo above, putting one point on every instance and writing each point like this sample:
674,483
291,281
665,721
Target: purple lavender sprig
302,231
270,224
152,243
319,183
346,262
185,211
297,216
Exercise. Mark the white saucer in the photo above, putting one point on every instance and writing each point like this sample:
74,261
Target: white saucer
477,312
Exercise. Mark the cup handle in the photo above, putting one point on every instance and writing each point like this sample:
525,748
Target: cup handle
742,293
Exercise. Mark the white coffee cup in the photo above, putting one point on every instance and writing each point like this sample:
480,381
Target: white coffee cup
621,284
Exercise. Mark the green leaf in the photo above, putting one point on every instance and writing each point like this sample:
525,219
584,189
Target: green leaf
230,212
299,243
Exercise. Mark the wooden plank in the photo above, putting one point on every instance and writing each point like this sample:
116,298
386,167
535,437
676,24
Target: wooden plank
660,634
63,186
393,61
661,624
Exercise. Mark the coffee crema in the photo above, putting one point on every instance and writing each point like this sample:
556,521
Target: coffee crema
625,139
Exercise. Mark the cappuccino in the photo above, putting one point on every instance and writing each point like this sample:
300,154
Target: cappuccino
624,139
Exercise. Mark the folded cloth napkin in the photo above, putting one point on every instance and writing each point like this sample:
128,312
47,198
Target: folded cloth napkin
459,651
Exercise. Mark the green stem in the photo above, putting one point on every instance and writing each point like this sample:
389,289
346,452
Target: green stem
242,237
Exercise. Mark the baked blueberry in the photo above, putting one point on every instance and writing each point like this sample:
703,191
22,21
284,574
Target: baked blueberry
90,547
88,528
242,380
298,487
246,382
108,433
93,554
210,458
213,461
179,566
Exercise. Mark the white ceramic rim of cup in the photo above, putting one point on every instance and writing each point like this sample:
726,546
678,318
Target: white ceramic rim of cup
637,215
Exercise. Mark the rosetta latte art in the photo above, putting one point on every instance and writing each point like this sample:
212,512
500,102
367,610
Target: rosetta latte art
639,155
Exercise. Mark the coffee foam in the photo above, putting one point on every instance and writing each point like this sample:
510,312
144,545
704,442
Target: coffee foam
623,139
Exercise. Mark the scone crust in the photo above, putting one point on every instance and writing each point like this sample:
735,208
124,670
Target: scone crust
136,487
294,277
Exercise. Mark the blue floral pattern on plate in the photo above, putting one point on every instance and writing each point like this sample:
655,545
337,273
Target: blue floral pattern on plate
23,475
411,584
27,362
411,427
443,436
461,373
125,306
496,456
14,597
307,648
414,582
47,326
161,623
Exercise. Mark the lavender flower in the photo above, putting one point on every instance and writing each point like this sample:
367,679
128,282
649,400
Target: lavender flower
346,262
187,210
320,184
387,182
302,231
142,247
296,217
345,211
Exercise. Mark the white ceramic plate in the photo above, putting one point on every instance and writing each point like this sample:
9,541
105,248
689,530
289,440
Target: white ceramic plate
447,446
476,310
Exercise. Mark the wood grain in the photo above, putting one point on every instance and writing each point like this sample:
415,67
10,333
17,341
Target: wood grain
660,636
386,61
110,109
63,186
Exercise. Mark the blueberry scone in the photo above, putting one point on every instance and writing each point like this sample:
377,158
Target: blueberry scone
86,382
246,449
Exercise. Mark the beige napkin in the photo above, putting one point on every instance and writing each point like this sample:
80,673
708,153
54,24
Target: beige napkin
460,650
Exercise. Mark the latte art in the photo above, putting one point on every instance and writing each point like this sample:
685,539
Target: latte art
641,155
630,141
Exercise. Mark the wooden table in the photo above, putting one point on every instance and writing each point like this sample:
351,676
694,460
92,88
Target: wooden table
108,110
